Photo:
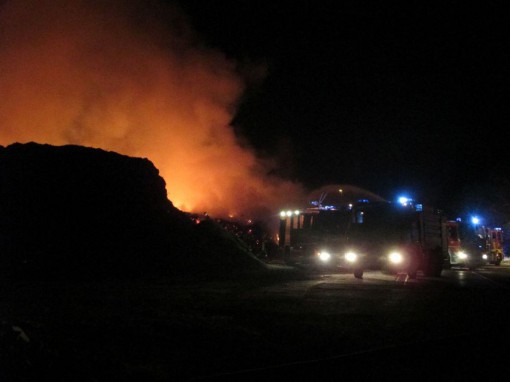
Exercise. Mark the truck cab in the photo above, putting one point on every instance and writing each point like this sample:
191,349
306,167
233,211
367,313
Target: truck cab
465,248
494,245
402,237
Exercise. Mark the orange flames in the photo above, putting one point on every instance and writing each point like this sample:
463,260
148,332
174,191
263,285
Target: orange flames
117,75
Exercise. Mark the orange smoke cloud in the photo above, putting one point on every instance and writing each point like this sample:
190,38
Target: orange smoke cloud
113,75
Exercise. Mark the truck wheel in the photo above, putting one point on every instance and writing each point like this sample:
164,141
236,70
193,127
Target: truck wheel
358,273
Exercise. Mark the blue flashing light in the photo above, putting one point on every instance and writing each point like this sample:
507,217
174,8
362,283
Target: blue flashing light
419,207
405,201
475,220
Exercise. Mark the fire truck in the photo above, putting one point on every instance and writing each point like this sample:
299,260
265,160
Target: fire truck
487,240
465,248
391,237
493,239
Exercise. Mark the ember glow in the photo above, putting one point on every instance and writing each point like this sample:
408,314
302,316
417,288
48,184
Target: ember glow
129,78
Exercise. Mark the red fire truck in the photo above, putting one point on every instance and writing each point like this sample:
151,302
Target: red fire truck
493,244
388,236
465,249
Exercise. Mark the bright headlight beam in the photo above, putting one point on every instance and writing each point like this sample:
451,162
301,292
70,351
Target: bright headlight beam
351,257
462,255
396,257
324,256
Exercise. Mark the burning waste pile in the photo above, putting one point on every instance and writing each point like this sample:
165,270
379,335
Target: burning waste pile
72,211
133,79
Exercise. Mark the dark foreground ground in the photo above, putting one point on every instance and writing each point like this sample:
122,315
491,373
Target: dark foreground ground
286,325
151,330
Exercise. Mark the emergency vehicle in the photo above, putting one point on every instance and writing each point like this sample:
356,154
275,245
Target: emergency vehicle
493,238
392,237
484,239
465,249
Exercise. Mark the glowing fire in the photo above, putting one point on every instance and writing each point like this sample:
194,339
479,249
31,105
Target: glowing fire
120,76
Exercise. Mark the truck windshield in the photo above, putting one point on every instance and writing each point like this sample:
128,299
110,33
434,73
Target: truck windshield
382,222
331,221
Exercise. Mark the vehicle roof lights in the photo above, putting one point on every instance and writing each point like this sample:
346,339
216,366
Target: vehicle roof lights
404,200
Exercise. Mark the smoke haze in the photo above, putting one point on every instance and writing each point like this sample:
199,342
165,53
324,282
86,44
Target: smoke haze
134,79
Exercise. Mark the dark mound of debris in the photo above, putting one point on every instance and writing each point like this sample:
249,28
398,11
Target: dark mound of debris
72,211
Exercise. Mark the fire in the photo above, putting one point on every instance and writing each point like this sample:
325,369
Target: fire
118,76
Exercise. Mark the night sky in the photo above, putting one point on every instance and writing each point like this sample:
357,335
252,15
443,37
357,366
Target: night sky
246,107
389,96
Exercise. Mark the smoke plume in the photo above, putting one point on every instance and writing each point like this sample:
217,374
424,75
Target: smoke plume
132,77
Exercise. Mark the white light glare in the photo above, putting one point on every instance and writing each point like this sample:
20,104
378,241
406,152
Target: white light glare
396,257
351,257
462,255
324,256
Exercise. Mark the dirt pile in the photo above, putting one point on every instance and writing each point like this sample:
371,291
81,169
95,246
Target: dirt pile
68,211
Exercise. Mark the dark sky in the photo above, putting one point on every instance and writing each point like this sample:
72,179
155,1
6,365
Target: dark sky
389,96
385,95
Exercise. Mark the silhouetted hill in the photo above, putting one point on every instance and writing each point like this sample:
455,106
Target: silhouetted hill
73,211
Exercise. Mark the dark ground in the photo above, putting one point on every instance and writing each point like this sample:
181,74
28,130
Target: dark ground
148,330
279,326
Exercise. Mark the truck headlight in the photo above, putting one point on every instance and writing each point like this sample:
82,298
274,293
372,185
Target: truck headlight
395,257
351,257
462,255
324,256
